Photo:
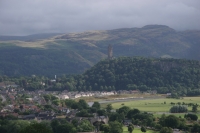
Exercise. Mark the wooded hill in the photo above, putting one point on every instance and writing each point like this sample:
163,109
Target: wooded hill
76,52
145,74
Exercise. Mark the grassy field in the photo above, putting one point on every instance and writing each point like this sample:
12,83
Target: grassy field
154,105
137,130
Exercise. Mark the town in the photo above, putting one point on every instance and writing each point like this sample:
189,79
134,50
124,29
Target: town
22,103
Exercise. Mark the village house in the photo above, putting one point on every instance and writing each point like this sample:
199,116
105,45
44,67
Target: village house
8,108
63,97
77,95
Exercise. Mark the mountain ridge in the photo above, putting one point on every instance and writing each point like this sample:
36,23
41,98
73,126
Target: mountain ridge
87,48
28,37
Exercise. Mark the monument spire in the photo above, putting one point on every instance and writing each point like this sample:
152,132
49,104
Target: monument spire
110,52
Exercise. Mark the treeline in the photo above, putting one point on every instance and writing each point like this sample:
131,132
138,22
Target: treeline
13,125
178,76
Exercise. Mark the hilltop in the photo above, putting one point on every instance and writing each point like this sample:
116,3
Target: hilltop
74,53
144,74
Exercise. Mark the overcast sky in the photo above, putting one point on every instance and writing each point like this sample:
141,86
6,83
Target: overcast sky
24,17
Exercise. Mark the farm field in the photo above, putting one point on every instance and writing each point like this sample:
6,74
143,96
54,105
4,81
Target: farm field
154,105
137,130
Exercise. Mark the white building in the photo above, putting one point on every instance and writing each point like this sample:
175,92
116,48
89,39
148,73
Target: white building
64,97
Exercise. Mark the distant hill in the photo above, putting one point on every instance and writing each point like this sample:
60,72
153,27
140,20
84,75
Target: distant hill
29,37
76,52
144,74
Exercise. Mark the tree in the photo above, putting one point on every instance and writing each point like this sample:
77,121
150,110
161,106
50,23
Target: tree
166,130
93,110
69,102
178,109
96,105
17,125
47,98
116,127
109,108
65,128
130,128
143,129
62,126
101,112
75,122
124,110
36,128
105,128
193,117
194,108
172,121
162,120
76,105
46,123
82,103
132,112
85,126
196,128
54,124
114,116
56,102
83,113
97,124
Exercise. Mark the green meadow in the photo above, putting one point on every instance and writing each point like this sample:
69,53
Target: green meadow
154,105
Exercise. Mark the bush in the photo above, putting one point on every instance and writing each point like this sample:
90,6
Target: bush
193,117
143,129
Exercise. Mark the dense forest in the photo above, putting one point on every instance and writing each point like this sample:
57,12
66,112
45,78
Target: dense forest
178,76
131,73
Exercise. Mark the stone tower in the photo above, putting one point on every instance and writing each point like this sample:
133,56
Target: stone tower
110,52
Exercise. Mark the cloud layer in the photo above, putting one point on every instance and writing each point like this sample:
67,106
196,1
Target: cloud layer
23,17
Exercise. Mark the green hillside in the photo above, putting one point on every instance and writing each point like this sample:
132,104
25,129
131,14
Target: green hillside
16,61
76,52
144,74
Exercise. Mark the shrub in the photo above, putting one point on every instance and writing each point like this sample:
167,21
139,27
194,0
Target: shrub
193,117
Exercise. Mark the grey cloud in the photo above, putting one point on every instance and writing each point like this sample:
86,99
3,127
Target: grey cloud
21,17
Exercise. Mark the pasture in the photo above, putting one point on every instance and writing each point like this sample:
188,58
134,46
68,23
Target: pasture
154,105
